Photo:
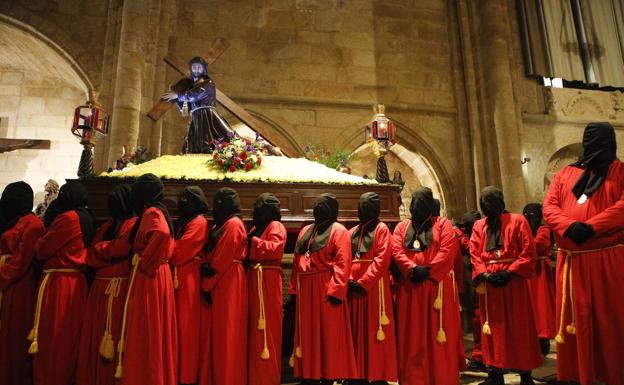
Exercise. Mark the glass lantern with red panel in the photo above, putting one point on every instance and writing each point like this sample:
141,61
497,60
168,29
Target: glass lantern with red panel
90,123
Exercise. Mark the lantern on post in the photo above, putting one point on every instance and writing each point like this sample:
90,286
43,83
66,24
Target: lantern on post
90,124
381,135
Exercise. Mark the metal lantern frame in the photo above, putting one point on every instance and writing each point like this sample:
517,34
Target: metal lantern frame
89,125
381,134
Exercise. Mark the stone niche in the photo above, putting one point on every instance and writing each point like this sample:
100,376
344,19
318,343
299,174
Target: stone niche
38,93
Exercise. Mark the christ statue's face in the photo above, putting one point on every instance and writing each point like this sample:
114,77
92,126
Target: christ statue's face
197,68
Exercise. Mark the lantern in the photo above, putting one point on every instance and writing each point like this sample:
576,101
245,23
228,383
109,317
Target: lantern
381,134
90,124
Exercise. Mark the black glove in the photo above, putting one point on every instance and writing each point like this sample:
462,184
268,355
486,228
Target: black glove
333,300
206,270
480,278
579,232
291,303
500,278
207,297
356,287
420,273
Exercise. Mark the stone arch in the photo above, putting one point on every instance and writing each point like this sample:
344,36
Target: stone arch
416,154
48,29
562,157
41,90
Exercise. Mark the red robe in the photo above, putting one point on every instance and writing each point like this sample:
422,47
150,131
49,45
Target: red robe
513,342
186,261
18,290
224,324
375,357
595,352
542,286
323,330
425,357
63,302
111,259
151,347
267,251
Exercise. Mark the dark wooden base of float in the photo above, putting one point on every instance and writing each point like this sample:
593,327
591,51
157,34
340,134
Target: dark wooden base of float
296,199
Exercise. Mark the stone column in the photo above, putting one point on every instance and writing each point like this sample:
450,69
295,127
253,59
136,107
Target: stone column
127,89
501,121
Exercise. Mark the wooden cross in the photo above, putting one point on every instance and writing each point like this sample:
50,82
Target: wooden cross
218,47
7,145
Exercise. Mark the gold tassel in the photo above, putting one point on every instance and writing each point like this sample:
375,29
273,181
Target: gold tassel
119,371
571,329
34,347
486,328
298,352
107,348
480,289
136,259
291,361
265,354
31,335
566,267
560,339
176,283
380,334
261,324
437,304
384,319
441,336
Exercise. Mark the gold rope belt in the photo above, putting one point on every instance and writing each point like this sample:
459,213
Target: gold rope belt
262,316
34,332
567,280
176,282
3,260
383,316
438,304
122,338
107,344
502,260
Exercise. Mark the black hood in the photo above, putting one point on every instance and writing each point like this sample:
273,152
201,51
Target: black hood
492,204
599,151
73,196
17,201
266,210
120,208
226,203
533,213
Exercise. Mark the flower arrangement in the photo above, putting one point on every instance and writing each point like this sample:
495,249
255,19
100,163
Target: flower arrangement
236,153
331,157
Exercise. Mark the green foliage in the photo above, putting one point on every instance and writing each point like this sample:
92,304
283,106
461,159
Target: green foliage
330,157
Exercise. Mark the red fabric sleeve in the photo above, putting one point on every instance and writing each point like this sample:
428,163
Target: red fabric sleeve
524,265
104,251
542,241
381,258
553,214
64,229
444,259
157,238
22,257
610,220
464,241
292,285
271,246
339,282
224,252
476,248
191,243
403,262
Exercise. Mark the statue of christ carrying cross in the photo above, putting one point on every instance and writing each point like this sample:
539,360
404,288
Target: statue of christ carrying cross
197,96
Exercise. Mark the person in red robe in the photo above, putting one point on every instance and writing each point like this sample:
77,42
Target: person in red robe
191,232
109,256
584,207
266,240
370,298
503,260
427,322
463,233
224,312
17,282
318,286
148,346
542,284
62,295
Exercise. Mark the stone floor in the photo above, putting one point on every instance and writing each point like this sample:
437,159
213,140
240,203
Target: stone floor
542,375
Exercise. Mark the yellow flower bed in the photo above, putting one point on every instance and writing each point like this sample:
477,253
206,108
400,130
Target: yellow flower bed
274,169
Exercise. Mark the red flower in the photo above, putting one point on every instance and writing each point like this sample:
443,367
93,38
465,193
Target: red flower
224,144
215,155
259,160
220,162
314,156
248,142
248,166
237,161
243,155
232,168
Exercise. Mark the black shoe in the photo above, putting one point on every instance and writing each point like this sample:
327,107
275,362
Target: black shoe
544,346
526,379
495,377
476,366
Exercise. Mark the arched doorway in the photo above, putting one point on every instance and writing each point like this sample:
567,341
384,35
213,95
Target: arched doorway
40,87
561,158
